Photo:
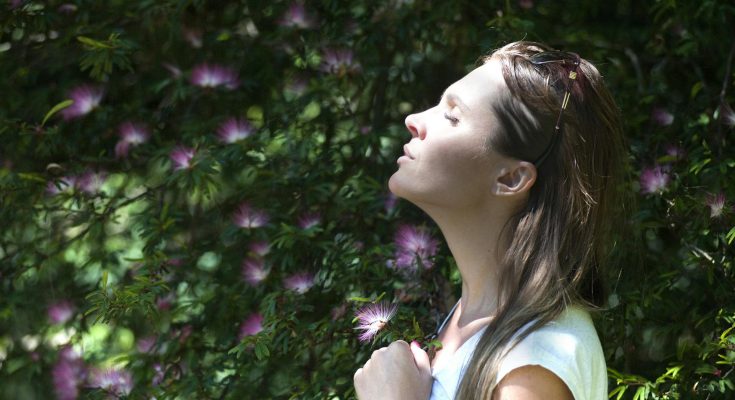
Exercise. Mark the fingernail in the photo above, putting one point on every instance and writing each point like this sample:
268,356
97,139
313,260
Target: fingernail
415,343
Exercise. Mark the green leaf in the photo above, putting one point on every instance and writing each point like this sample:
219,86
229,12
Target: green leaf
64,104
93,43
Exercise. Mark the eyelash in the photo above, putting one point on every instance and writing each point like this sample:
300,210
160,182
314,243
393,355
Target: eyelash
453,120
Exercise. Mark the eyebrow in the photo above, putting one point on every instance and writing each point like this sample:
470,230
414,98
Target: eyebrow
453,97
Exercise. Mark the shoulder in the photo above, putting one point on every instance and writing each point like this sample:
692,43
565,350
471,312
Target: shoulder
567,351
532,382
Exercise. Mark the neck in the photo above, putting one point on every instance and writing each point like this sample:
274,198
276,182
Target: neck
472,234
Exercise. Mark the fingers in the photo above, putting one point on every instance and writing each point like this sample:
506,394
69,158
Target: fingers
421,357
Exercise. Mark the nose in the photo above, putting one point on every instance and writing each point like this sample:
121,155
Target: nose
415,126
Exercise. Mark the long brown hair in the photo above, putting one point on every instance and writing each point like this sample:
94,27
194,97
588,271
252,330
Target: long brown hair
558,244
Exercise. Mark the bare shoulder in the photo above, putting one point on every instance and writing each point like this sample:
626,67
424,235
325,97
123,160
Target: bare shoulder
532,382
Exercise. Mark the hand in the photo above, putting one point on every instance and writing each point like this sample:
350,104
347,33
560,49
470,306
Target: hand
396,372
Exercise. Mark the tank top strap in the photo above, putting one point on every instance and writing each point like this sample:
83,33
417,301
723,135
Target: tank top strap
449,316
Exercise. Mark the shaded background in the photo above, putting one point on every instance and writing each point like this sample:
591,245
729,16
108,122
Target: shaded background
206,218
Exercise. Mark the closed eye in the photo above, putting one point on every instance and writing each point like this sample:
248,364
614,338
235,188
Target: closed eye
451,119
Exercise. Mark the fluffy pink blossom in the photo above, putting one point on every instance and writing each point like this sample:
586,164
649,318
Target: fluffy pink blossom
251,325
414,244
260,248
389,202
145,344
68,373
164,303
373,318
117,382
654,179
675,151
233,130
254,271
716,204
662,117
86,98
309,219
300,282
339,62
181,156
91,181
214,75
296,86
297,17
727,115
65,184
131,134
60,312
248,217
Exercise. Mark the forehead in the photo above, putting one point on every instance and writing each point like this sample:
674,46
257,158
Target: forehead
480,86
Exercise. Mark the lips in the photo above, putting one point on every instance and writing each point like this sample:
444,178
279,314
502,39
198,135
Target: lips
406,152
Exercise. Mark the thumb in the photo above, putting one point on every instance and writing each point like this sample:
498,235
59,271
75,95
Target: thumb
421,358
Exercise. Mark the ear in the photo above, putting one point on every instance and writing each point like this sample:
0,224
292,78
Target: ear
514,179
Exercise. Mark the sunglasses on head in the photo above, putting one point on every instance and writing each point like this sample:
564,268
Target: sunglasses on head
565,58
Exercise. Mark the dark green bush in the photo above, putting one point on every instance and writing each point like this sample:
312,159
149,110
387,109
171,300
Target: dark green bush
206,217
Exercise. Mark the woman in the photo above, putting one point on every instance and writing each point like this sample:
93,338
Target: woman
519,166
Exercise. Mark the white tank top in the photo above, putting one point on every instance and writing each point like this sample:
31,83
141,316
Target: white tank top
567,346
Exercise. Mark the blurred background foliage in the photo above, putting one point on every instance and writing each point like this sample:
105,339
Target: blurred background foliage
207,216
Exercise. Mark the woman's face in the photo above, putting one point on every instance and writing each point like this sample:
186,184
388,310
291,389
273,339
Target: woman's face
449,164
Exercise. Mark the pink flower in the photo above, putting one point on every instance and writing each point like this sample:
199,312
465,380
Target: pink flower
252,325
248,217
60,312
260,248
67,8
65,184
131,134
181,156
67,374
716,204
654,179
390,202
662,117
253,271
91,182
727,115
210,76
373,318
158,374
164,303
296,86
117,382
300,282
675,151
193,36
234,129
309,219
146,344
86,98
414,244
339,62
296,17
525,4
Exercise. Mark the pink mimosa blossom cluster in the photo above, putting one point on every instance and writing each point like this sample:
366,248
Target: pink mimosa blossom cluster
214,75
414,245
248,217
373,318
233,130
131,134
181,157
86,98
